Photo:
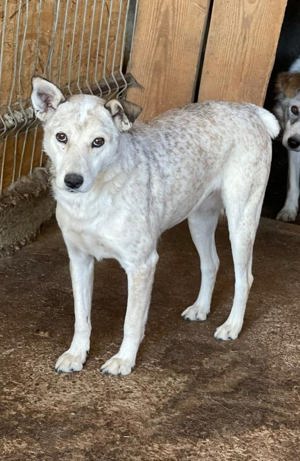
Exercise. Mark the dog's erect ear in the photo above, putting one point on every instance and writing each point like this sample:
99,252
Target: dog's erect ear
123,112
281,84
287,84
131,110
45,98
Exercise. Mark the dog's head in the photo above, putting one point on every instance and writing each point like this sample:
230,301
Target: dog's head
287,108
81,133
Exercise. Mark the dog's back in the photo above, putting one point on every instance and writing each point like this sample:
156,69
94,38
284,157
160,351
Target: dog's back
193,151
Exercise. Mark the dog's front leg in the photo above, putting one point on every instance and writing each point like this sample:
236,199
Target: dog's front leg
140,280
290,208
82,270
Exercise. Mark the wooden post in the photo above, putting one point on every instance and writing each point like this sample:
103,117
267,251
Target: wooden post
165,53
240,51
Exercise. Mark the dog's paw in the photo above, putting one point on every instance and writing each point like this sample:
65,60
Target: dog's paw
68,362
287,214
195,312
228,330
117,366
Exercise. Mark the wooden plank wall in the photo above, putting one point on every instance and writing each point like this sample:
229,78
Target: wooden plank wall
61,34
167,45
240,50
165,53
56,44
241,45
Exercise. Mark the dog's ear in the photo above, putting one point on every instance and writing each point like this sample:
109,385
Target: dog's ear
123,112
281,83
131,110
287,84
45,98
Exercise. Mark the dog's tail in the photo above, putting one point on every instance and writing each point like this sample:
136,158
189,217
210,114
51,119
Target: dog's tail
269,120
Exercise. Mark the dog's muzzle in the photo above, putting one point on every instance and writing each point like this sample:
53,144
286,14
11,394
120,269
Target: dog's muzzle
73,180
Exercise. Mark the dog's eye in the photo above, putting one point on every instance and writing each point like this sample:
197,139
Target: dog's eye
62,137
98,142
295,110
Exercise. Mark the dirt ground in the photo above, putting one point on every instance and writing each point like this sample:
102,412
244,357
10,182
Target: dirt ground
190,397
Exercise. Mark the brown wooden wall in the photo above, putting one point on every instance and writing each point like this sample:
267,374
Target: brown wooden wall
230,44
239,54
63,41
240,49
165,54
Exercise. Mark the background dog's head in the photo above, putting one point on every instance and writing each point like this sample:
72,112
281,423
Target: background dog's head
81,133
287,108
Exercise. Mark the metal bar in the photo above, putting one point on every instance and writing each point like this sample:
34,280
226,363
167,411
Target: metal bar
98,46
2,39
124,87
106,48
72,49
33,124
81,46
116,39
101,88
63,43
48,67
87,74
24,113
13,88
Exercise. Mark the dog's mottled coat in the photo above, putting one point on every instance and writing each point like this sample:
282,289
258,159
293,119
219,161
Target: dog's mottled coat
187,163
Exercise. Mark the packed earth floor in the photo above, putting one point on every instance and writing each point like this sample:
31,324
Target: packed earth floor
190,397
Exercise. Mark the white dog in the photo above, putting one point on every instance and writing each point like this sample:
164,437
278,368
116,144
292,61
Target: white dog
118,187
287,110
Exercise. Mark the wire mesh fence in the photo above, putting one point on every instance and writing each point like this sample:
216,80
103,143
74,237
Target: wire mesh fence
81,45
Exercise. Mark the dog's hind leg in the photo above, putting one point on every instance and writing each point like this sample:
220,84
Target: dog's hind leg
243,209
202,224
140,280
82,270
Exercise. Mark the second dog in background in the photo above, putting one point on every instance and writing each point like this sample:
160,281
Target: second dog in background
287,110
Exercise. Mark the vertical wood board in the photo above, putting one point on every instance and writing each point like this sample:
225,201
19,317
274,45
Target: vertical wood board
165,53
240,51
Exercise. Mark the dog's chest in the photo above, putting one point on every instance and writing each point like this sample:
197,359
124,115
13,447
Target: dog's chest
97,244
95,235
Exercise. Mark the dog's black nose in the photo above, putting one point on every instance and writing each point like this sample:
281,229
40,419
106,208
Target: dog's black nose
293,142
73,180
